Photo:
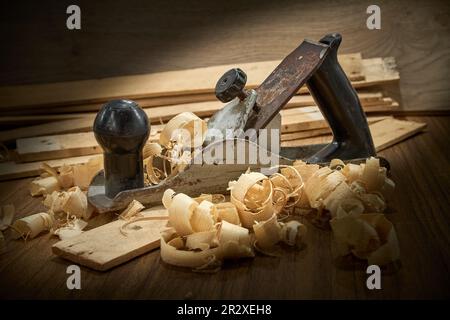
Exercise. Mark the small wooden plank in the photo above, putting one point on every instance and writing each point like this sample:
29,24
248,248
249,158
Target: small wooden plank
388,132
58,146
171,83
57,127
11,170
106,247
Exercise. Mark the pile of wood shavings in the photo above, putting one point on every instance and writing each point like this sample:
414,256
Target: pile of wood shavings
64,195
203,233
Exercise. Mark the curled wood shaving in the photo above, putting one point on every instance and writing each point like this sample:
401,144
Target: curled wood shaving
150,152
227,211
267,233
55,201
293,233
372,176
289,183
76,204
171,254
131,210
43,186
71,229
203,217
352,172
214,198
321,184
234,241
180,211
49,170
168,198
185,129
252,196
367,236
83,173
7,213
66,176
201,240
336,164
31,226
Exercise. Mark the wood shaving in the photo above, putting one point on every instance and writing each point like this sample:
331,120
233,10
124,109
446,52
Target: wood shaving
132,210
44,186
293,233
73,228
150,152
202,240
321,184
267,233
234,241
252,196
195,129
7,213
55,201
180,211
367,236
83,173
172,254
203,217
66,176
76,204
31,226
227,211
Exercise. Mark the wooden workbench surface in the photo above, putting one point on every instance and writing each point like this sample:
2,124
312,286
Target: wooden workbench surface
419,211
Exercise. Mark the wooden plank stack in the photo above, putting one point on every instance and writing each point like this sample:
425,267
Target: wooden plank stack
53,122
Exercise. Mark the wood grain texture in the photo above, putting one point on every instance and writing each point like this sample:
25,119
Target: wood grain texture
12,170
385,133
419,210
105,247
135,37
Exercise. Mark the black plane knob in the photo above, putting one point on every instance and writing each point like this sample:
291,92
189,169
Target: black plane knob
121,128
231,85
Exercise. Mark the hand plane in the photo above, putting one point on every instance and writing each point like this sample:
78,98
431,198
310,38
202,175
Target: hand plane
122,128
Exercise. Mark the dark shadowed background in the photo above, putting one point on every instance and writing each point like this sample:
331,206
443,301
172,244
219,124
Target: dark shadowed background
132,37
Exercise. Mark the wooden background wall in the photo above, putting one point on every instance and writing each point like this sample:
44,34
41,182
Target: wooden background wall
131,37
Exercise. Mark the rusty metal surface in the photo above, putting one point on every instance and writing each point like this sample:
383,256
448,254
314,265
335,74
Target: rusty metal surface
285,81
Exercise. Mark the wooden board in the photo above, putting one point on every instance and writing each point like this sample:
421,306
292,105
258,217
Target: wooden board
105,247
163,84
11,170
371,101
171,83
391,131
385,133
65,126
57,146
